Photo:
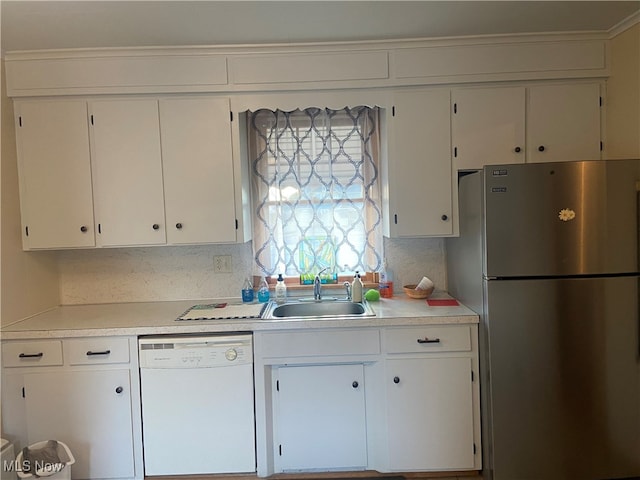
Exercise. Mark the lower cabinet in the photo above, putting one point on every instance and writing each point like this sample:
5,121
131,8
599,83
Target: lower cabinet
394,399
432,398
321,417
430,414
91,412
83,392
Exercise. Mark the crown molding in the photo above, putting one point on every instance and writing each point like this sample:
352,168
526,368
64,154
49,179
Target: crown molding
624,25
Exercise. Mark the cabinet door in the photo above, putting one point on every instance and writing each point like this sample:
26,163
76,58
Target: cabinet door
90,411
420,165
55,174
320,420
198,170
430,414
487,127
563,123
127,165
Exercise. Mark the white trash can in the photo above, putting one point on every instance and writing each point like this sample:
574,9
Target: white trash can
53,470
7,457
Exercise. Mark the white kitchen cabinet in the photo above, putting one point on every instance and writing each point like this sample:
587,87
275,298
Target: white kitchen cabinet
127,172
419,171
320,421
55,174
432,395
91,412
430,414
563,122
488,126
82,391
198,170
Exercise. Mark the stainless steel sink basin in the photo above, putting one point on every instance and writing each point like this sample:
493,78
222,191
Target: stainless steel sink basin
320,309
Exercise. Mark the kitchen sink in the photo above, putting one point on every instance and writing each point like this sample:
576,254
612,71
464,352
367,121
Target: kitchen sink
320,309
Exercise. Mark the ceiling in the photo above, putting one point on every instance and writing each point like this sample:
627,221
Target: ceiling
31,25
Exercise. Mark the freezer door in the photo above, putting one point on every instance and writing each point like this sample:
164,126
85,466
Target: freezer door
567,218
564,388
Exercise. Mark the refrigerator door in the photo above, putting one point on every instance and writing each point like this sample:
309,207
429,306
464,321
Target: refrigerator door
570,218
565,378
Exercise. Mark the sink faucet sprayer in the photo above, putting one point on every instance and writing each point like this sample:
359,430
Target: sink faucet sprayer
317,285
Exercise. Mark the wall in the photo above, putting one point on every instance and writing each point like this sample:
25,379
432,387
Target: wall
30,279
623,96
186,273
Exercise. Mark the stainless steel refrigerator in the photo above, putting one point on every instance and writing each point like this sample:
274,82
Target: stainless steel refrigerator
548,257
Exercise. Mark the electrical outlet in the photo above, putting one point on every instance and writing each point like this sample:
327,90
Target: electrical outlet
222,264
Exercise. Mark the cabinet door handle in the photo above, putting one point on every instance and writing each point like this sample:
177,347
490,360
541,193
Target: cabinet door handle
541,148
517,149
355,384
83,229
179,226
444,218
104,352
428,340
396,379
156,226
31,355
119,390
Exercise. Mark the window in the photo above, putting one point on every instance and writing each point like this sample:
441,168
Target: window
316,193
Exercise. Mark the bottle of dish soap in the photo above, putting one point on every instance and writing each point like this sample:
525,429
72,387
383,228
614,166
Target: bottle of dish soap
281,290
247,291
356,289
263,290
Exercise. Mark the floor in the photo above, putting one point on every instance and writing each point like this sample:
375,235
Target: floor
332,476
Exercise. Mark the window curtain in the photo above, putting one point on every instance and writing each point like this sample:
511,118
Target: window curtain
316,190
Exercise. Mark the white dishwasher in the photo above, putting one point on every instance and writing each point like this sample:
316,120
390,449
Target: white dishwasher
197,404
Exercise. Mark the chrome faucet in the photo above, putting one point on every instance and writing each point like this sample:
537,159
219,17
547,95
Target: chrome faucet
347,286
317,285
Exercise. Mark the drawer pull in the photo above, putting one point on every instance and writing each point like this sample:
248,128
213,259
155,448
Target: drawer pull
396,380
428,340
105,352
119,390
31,355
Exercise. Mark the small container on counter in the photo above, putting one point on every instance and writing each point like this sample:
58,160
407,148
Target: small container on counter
281,290
263,291
247,291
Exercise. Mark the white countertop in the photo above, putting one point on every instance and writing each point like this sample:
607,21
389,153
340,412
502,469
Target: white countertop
149,318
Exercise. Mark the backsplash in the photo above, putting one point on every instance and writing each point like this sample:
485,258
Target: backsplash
186,272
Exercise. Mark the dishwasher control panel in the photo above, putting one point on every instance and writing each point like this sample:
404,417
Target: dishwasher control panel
195,352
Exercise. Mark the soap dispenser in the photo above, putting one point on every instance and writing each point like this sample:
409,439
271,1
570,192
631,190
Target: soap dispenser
263,290
356,289
281,290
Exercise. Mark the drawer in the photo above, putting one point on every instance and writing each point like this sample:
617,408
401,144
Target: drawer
32,354
99,350
428,339
320,343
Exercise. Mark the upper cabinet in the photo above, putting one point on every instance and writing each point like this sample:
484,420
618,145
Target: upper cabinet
488,126
540,123
127,166
419,165
152,171
563,122
198,170
55,174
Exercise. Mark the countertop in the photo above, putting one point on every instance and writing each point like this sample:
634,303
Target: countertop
150,318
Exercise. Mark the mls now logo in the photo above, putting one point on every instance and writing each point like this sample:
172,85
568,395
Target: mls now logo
40,468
